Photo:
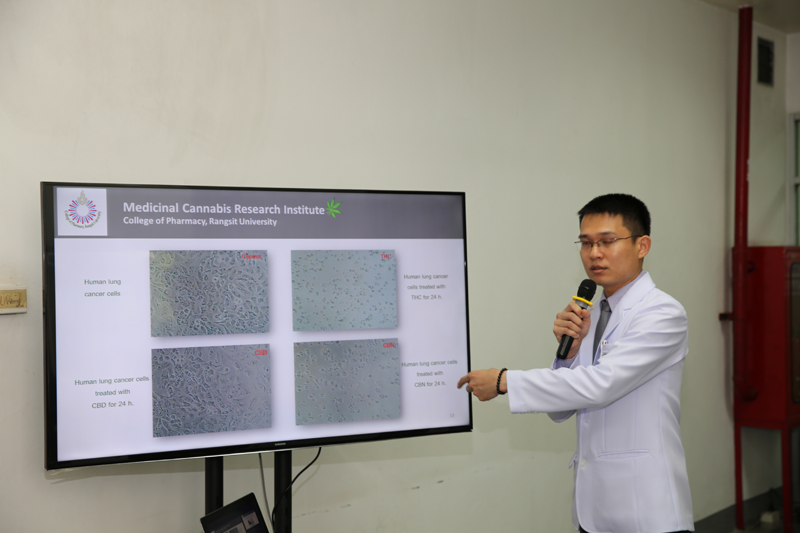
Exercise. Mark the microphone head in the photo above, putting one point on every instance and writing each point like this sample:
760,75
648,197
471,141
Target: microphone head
587,289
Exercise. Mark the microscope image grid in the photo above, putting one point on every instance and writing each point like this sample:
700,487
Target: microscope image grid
343,289
211,389
208,292
346,381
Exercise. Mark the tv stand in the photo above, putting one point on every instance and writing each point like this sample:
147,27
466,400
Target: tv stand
213,484
282,479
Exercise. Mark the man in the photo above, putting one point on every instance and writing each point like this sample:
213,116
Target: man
624,382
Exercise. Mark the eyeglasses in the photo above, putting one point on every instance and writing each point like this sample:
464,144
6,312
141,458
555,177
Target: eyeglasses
585,245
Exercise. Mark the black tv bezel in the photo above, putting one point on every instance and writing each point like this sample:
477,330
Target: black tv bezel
51,462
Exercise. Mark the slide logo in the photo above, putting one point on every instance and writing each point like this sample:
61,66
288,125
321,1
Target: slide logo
333,208
81,211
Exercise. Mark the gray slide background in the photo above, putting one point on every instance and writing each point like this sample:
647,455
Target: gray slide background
365,215
210,389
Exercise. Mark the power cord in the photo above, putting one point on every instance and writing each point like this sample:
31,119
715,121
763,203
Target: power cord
266,500
288,488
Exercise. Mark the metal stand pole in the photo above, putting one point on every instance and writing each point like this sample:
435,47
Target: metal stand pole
213,484
283,497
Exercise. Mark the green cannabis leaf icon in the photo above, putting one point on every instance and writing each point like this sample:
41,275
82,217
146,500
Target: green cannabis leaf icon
333,208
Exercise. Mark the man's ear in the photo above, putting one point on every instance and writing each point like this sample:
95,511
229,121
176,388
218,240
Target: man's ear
643,246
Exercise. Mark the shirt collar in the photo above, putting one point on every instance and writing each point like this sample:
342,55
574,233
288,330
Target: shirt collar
617,296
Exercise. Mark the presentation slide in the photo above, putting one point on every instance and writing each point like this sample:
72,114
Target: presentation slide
190,318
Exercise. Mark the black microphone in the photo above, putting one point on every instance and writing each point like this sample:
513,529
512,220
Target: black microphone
586,292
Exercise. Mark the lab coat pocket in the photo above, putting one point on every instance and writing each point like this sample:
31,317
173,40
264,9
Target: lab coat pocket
605,347
623,454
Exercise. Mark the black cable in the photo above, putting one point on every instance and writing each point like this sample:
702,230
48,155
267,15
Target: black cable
266,500
279,498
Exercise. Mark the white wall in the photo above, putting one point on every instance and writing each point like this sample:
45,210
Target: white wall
767,222
532,108
793,73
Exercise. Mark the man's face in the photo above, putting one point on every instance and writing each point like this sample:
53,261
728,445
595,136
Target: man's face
611,265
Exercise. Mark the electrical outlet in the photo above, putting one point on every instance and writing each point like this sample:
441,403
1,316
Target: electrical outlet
13,300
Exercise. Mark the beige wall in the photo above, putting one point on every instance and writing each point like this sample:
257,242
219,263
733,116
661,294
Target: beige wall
532,108
768,147
767,223
793,73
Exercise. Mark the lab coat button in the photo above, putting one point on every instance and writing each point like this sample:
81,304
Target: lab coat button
583,463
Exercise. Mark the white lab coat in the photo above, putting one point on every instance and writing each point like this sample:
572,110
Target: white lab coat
630,468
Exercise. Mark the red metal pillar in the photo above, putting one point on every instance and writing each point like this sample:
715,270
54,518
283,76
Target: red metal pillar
786,467
737,457
742,390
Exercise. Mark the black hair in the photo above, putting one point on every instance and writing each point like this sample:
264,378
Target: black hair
635,215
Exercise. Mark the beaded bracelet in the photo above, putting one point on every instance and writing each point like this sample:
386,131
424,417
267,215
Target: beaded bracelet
500,375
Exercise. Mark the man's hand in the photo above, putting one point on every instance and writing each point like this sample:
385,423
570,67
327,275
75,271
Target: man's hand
483,383
573,321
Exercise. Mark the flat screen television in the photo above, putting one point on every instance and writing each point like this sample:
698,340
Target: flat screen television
185,321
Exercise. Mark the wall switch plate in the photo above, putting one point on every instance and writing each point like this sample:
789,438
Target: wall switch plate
13,300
